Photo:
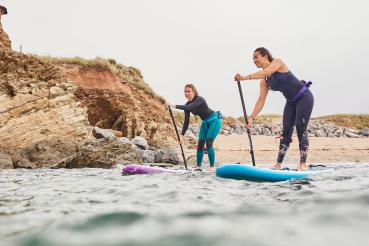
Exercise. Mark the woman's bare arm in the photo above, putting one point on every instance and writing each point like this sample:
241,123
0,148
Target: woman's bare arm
275,65
261,100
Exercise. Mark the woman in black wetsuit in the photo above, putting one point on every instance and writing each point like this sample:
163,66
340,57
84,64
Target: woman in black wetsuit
210,126
299,101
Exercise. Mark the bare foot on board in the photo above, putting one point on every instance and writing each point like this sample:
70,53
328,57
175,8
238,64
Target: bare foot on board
302,167
277,166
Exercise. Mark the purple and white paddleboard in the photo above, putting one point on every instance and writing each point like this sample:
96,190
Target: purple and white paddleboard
141,169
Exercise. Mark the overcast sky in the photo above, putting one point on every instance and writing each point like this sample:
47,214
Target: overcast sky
206,42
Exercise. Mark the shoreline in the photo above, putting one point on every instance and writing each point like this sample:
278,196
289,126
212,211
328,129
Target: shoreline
235,149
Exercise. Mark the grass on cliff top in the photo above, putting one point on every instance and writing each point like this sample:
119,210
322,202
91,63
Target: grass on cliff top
74,61
356,121
130,74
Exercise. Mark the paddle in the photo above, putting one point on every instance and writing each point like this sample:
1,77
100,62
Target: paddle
179,139
246,120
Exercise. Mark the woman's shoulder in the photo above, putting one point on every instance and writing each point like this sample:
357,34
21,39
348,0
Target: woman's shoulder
281,64
198,98
278,60
195,99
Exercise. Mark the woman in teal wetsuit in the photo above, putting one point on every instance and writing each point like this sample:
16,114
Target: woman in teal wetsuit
210,126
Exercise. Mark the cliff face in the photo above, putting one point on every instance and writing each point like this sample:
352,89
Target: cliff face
48,107
114,101
37,103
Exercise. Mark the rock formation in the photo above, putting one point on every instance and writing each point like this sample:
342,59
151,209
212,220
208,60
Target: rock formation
48,108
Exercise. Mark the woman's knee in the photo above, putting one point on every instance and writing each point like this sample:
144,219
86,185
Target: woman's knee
286,137
302,135
209,143
200,144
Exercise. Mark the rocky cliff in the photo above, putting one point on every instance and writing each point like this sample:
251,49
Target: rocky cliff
49,106
116,97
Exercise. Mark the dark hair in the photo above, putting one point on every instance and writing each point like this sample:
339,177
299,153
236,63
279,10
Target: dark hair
265,52
5,11
193,88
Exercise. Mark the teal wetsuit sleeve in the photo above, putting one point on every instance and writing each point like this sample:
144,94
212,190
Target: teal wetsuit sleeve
192,105
186,122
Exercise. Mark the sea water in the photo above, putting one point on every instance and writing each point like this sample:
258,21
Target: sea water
102,207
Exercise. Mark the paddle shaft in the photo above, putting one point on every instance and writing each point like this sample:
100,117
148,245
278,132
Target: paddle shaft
246,120
179,139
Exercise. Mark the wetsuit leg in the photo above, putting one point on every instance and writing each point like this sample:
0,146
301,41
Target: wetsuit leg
303,112
201,143
200,152
214,129
289,114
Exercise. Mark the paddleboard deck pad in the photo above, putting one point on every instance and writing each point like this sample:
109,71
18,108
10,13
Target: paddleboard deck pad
142,169
259,174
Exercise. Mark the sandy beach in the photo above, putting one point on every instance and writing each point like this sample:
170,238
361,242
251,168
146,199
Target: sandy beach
235,149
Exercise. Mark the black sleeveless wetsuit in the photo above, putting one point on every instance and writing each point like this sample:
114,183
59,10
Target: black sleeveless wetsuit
295,113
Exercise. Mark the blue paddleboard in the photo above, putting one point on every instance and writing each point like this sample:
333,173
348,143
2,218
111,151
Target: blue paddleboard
259,174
